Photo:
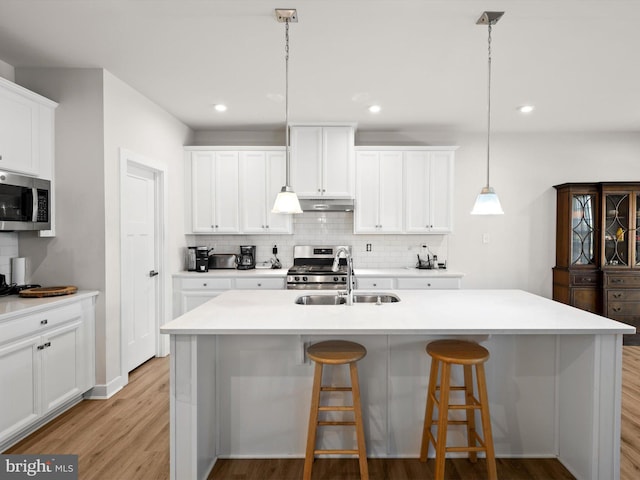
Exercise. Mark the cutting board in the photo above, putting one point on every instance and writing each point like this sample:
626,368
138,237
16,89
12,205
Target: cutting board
48,291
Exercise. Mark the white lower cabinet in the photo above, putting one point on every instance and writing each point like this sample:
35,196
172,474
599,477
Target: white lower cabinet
369,283
46,361
190,292
409,283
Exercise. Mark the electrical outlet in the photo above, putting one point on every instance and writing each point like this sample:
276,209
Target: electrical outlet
368,247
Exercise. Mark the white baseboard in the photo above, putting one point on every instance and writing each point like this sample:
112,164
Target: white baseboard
103,392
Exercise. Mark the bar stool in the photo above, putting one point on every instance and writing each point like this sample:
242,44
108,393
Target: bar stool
467,354
335,352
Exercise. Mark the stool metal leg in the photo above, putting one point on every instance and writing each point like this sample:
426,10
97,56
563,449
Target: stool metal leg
471,413
362,451
486,422
443,416
313,422
428,414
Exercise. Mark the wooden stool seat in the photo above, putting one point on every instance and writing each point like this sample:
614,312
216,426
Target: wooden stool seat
446,353
335,352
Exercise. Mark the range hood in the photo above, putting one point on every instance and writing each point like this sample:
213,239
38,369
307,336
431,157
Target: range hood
327,204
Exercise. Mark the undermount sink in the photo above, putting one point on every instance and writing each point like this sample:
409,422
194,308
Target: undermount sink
321,300
377,298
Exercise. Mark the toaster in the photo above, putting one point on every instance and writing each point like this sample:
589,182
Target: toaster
223,260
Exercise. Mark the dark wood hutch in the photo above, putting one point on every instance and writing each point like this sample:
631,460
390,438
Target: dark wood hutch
598,250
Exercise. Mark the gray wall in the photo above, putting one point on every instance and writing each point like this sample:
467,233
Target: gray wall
98,114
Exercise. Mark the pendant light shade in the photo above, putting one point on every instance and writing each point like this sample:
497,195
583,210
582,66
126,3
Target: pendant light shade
287,200
487,202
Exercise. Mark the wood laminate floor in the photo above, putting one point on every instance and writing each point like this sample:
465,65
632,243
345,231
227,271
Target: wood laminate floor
127,438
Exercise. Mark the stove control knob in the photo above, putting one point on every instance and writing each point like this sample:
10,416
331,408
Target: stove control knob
335,279
297,279
304,279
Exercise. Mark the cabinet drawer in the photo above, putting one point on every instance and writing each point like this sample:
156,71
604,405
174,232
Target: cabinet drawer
260,283
428,283
623,308
584,279
623,281
206,283
37,323
623,296
374,283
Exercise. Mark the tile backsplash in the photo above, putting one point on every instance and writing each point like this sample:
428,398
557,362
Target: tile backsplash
332,228
8,250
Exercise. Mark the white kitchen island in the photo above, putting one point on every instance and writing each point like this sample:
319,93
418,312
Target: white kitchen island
241,385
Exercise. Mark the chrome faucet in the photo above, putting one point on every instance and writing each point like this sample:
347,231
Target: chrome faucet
336,267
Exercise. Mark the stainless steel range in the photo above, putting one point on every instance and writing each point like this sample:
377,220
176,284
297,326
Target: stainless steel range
312,269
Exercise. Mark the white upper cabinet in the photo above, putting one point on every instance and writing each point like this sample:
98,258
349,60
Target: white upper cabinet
262,174
26,131
379,195
404,190
215,192
428,191
231,190
322,162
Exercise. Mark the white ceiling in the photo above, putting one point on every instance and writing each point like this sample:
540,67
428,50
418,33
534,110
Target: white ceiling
424,61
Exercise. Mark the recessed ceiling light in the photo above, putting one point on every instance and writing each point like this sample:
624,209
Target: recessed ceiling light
220,107
375,109
526,108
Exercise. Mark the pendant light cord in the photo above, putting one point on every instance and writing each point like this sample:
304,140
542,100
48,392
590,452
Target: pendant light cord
489,105
286,100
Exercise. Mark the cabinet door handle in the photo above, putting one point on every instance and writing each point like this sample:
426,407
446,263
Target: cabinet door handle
617,280
616,309
375,284
617,295
153,273
44,322
48,344
428,284
259,284
204,284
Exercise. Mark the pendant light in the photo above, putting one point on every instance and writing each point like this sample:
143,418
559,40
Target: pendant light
487,202
287,200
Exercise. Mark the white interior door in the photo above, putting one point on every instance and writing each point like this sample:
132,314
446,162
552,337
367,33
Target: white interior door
140,289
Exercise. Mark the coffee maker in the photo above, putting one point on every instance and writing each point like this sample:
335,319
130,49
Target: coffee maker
202,259
247,257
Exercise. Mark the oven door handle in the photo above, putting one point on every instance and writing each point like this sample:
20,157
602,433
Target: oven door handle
34,204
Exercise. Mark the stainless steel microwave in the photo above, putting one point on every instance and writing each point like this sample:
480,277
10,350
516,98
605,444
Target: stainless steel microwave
24,202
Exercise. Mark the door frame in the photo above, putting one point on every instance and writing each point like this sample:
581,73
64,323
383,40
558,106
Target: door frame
159,171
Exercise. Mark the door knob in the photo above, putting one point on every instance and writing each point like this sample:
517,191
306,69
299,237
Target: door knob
153,273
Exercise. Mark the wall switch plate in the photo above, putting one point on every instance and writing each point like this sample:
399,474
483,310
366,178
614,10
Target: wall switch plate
485,238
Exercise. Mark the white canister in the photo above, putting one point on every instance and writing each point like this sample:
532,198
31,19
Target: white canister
18,269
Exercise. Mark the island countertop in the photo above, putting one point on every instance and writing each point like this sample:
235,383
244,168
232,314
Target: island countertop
476,312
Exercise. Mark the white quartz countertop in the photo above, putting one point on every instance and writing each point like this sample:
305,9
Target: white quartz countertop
418,312
14,305
359,272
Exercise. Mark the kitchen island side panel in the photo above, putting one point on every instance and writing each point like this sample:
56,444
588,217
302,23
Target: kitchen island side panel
589,423
263,394
193,406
